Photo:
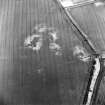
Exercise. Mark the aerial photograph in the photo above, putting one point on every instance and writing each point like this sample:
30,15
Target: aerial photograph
52,52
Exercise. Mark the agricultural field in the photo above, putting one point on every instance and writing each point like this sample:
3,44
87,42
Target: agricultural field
40,52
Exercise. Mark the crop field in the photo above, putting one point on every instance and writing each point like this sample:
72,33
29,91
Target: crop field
46,71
